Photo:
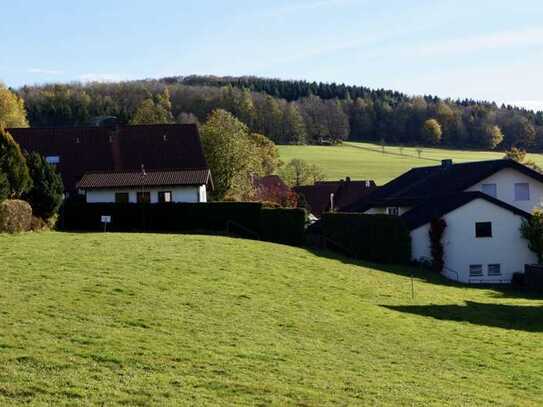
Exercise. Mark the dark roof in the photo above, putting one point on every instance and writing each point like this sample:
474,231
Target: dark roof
439,205
317,196
92,149
421,183
350,192
346,192
271,182
137,179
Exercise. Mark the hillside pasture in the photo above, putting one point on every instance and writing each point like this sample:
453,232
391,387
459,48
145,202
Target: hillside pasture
147,319
368,161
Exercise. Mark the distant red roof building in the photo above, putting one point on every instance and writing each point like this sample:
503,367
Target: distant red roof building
346,192
271,188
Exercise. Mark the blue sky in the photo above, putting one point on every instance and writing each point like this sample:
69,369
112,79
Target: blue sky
479,49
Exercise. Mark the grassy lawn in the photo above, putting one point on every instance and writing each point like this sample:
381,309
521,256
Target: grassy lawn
133,319
367,161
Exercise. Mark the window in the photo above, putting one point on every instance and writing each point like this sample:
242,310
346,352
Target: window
52,159
395,211
490,189
494,270
522,191
164,196
121,197
144,197
483,229
475,270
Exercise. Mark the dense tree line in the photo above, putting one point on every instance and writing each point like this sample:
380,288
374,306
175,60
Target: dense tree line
291,112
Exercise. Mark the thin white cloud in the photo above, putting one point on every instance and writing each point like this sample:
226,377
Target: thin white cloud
101,77
42,71
520,38
295,7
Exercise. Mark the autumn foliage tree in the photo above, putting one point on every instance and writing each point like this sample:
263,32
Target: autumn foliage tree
12,109
235,155
431,132
531,229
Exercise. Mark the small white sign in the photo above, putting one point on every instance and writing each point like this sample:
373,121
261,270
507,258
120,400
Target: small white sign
106,219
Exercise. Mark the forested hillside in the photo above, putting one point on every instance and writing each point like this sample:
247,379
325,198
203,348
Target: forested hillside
291,112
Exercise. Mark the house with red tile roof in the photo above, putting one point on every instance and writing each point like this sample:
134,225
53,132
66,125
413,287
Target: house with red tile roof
146,164
272,188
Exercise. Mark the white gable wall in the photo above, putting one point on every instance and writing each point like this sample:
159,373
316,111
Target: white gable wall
505,181
179,194
506,246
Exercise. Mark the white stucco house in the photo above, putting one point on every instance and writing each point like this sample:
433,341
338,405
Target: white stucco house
482,203
154,186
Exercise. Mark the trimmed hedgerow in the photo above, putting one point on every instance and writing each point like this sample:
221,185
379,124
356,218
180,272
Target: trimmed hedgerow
169,217
379,238
15,216
283,225
246,219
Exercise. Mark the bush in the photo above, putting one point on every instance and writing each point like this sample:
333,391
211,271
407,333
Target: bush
15,216
533,277
380,238
47,190
246,219
283,225
239,217
4,187
38,224
517,280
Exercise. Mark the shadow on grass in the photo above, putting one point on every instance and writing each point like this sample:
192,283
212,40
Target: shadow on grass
428,276
518,317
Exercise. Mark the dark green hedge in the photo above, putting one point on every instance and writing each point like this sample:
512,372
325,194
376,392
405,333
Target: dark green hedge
246,219
171,217
283,225
379,238
533,277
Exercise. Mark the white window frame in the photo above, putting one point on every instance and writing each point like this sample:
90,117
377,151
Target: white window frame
168,196
518,198
485,187
393,211
494,273
53,159
471,270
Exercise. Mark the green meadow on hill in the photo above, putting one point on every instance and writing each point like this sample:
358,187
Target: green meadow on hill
368,161
149,319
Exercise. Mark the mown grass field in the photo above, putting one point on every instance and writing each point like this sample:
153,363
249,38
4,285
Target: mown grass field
134,319
367,161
